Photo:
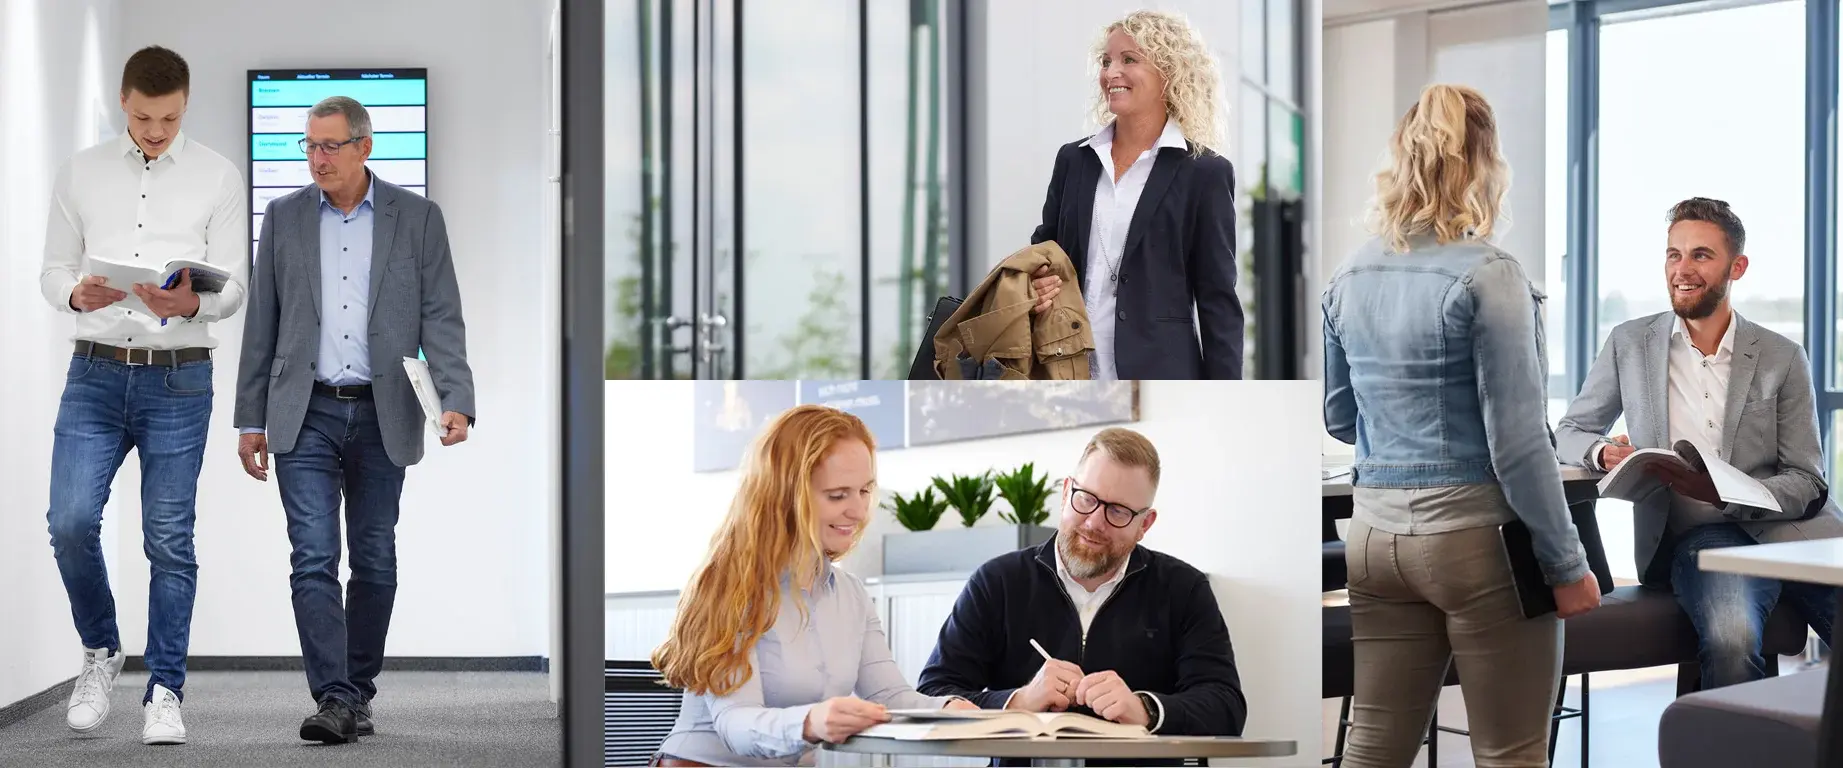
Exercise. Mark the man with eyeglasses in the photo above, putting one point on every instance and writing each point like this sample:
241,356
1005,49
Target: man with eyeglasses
353,276
1134,636
139,378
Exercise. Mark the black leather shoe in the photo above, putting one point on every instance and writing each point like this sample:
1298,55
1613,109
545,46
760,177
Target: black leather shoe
361,716
333,724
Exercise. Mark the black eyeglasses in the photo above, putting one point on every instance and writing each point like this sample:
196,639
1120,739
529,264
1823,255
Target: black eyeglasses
328,147
1085,502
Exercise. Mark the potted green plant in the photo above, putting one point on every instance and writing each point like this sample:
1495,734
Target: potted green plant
970,495
1027,494
962,550
919,511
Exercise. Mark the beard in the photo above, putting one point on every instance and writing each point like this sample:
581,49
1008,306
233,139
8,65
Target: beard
1083,560
1697,309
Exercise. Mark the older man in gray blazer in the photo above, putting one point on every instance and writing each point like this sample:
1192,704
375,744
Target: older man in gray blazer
1704,374
352,276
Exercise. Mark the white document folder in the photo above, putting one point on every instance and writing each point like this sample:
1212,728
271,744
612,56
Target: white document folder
424,384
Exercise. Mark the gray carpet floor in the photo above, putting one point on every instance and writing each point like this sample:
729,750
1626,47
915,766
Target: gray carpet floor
248,719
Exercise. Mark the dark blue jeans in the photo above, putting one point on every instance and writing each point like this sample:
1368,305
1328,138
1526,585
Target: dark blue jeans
1729,610
163,414
341,453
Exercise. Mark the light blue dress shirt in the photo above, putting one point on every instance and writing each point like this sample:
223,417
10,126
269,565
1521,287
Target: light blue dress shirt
345,291
840,650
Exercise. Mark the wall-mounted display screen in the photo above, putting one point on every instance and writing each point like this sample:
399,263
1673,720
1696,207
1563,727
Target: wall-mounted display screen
279,99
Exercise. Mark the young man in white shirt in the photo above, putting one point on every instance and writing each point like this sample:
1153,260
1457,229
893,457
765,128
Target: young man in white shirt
137,380
1702,373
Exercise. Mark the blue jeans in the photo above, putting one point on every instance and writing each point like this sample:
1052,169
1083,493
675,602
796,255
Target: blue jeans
163,413
341,452
1729,610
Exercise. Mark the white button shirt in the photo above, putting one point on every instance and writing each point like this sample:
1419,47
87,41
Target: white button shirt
1113,215
110,200
1698,406
1696,389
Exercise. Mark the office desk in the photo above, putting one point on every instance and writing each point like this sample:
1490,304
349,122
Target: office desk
1813,562
1075,751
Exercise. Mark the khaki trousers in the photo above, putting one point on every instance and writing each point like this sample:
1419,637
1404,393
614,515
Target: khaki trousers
1420,602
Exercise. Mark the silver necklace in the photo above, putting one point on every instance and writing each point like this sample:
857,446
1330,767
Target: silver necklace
1113,265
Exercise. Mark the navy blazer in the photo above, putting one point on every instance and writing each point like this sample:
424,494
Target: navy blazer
1180,253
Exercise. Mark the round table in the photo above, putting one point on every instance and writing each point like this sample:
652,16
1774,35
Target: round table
1075,751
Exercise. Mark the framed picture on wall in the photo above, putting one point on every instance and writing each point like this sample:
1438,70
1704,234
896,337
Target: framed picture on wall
903,414
952,411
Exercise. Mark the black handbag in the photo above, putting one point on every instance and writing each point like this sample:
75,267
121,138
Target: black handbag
923,367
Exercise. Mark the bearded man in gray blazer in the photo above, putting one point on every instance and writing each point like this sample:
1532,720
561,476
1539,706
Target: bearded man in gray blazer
352,275
1704,374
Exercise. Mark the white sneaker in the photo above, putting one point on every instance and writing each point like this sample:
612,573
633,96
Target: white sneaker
89,700
161,715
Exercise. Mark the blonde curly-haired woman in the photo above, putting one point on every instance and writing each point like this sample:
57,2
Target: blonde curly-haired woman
771,640
1146,209
1434,368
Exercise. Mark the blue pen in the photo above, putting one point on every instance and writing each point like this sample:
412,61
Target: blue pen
170,282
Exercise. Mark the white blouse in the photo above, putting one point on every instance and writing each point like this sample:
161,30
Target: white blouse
1114,204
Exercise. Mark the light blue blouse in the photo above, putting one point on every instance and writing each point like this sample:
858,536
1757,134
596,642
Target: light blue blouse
840,651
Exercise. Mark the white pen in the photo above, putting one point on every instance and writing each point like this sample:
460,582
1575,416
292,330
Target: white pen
1046,656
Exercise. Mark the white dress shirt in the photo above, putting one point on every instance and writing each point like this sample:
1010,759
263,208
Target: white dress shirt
1698,405
111,200
1696,387
1114,204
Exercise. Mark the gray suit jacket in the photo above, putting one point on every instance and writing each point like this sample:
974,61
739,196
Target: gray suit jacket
1770,431
415,303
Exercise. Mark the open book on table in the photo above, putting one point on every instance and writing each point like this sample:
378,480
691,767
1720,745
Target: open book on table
1632,480
942,725
124,275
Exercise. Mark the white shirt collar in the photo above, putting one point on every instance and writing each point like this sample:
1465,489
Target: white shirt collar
1727,336
1172,137
131,149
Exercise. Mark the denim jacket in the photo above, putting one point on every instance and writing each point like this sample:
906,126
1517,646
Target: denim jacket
1435,370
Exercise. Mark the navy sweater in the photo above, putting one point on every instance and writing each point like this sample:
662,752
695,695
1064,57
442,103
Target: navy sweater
1160,630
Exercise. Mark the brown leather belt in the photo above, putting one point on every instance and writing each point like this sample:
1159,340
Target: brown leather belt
673,762
347,392
165,358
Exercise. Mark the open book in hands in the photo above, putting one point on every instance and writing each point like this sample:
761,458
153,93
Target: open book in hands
953,724
124,275
1633,480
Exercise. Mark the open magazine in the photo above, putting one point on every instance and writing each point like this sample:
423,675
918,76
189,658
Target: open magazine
424,384
1632,481
942,725
124,275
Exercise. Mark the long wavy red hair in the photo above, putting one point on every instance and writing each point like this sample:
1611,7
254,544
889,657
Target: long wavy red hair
772,527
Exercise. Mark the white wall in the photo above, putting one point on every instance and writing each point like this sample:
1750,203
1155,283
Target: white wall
1239,500
1375,68
1036,96
49,50
473,548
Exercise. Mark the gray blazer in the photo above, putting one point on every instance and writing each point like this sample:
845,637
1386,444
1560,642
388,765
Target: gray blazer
415,303
1770,431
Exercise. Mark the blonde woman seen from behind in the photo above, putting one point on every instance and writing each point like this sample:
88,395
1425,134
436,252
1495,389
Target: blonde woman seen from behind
1434,369
777,649
1145,209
